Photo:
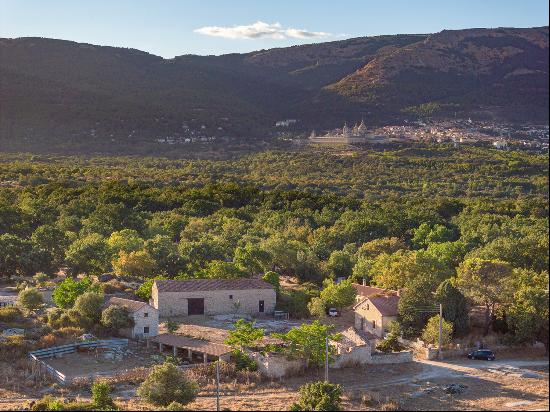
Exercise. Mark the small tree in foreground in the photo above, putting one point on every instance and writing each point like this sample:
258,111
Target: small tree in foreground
431,331
30,299
101,396
244,334
319,396
166,384
308,342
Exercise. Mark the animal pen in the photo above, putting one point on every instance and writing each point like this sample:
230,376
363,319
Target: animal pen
113,348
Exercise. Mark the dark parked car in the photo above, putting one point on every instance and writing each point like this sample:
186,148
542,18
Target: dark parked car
483,354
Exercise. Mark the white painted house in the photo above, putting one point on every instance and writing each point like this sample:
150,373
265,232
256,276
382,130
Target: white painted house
146,318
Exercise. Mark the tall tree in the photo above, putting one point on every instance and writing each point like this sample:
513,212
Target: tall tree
484,282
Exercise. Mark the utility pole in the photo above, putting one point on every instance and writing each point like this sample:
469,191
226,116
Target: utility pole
218,385
326,359
439,354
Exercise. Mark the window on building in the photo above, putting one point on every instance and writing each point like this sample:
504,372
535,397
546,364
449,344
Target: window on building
374,324
146,329
145,314
368,307
230,296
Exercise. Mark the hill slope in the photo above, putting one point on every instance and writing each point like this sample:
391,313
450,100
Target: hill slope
60,92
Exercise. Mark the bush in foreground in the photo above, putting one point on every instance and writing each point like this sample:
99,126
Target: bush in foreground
101,396
319,396
166,384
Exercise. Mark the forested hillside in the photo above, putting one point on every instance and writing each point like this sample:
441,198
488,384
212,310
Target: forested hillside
413,219
56,93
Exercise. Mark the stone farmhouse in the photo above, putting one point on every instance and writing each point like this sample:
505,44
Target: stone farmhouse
375,309
213,297
146,318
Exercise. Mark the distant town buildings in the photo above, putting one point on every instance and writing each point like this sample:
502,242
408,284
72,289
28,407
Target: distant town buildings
285,123
358,134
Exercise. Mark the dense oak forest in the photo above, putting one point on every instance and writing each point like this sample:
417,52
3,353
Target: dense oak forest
467,225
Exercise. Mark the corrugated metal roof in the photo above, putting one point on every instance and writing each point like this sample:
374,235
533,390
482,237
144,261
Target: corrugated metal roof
197,345
196,285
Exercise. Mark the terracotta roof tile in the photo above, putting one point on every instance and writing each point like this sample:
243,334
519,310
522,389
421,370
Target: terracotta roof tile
386,305
366,291
195,285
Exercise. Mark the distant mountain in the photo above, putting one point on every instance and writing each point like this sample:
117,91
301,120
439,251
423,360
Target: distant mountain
55,92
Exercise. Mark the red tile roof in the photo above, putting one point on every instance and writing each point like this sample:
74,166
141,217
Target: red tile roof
195,285
366,291
386,305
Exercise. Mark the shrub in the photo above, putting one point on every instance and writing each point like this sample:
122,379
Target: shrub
390,405
101,396
116,318
172,326
244,334
14,347
66,293
243,362
317,308
9,314
174,406
113,286
30,299
274,279
319,396
390,344
391,341
85,314
431,331
70,331
166,384
47,341
45,403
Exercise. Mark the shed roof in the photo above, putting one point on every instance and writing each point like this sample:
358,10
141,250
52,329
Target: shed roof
195,285
196,345
131,305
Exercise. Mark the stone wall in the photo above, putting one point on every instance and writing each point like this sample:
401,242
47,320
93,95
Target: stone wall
396,357
141,321
354,356
276,366
216,302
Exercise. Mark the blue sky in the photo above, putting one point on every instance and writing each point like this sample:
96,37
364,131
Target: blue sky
170,27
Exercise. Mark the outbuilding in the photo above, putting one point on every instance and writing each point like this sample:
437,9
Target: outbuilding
145,317
213,297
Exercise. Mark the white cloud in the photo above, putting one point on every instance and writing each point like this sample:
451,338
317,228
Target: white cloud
259,30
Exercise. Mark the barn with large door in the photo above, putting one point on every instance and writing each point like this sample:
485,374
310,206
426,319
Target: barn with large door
213,297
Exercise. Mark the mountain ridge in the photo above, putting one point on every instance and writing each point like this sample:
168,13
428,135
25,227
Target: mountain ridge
69,92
